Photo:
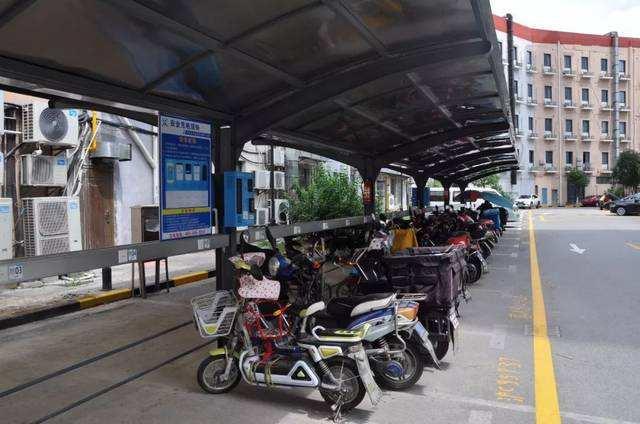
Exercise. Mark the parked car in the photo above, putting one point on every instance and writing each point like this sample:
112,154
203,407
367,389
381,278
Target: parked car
590,201
528,201
627,205
606,200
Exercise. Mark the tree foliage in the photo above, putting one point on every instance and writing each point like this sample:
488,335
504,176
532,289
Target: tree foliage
627,169
492,181
328,195
577,177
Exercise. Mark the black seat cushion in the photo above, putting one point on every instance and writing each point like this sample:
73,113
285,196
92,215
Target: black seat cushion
341,307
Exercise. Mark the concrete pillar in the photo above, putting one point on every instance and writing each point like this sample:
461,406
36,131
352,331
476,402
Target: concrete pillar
369,174
446,185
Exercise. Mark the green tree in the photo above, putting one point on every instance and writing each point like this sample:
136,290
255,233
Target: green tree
492,181
577,177
627,169
328,195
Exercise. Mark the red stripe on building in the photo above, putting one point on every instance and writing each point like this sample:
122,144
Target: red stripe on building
552,37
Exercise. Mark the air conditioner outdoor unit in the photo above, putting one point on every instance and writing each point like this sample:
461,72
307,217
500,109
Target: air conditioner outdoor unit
282,211
262,180
46,171
262,216
51,225
41,124
278,156
6,228
278,180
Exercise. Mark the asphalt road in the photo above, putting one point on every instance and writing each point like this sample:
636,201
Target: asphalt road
590,300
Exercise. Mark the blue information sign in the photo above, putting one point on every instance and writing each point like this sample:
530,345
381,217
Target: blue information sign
185,177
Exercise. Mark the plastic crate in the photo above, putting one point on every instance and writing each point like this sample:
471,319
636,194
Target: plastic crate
214,313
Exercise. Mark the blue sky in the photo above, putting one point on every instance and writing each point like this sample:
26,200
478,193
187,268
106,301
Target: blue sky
586,16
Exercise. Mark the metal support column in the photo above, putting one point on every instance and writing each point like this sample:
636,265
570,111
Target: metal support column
510,59
462,186
225,160
369,174
106,279
446,192
421,183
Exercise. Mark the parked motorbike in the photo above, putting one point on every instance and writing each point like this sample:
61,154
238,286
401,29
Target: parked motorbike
262,353
397,343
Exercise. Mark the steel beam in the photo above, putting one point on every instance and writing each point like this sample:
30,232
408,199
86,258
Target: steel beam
490,172
461,159
478,169
334,85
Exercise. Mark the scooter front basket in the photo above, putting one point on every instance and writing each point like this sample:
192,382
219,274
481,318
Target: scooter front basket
214,313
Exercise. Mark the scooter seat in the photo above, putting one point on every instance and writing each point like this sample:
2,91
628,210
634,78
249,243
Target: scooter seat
343,307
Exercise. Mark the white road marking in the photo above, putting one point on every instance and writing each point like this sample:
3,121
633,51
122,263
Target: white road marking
576,249
513,255
480,417
498,338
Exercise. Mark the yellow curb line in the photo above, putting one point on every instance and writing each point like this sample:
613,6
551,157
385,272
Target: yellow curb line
102,298
546,395
190,278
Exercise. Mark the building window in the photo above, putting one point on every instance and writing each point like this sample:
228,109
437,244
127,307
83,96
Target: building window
529,57
623,128
585,126
586,157
585,95
531,155
547,59
547,92
568,125
584,63
516,122
500,46
568,158
530,91
568,93
622,98
515,87
531,123
567,61
604,65
515,53
548,124
604,127
604,96
603,180
622,66
548,157
605,159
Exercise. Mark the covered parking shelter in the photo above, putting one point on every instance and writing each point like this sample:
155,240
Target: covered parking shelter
412,85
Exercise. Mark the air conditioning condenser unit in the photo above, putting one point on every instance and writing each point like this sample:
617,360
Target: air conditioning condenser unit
262,216
278,180
47,171
282,211
51,225
262,180
42,124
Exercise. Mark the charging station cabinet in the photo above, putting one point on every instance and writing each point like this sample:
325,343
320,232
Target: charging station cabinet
239,207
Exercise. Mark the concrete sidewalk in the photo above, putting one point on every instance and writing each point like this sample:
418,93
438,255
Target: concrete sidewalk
42,294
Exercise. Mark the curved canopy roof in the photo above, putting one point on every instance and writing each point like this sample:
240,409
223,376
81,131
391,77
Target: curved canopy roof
414,84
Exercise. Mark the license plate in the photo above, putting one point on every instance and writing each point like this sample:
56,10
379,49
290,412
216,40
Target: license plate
453,317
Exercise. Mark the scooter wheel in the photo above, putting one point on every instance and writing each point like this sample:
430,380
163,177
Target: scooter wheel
413,364
345,371
210,371
440,346
474,273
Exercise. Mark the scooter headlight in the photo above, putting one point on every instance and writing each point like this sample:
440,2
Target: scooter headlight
273,266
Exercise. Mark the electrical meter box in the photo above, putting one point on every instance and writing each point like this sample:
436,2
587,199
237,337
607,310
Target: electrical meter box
239,208
6,228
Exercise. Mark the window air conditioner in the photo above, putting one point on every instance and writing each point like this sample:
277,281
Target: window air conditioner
46,171
51,225
262,180
41,124
262,216
282,211
278,180
6,229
